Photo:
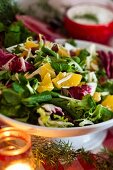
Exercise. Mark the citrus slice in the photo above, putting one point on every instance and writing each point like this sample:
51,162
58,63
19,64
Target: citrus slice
30,44
67,80
108,102
63,52
46,68
46,84
24,54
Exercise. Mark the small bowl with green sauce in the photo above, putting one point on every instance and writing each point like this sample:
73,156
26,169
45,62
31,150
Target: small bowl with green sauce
90,22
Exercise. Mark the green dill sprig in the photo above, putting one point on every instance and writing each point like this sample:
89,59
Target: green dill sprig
51,152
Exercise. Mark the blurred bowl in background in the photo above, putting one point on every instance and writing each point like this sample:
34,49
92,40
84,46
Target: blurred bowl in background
90,22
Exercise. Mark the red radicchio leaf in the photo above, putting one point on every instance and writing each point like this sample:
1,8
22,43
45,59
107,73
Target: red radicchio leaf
13,63
78,92
107,62
111,63
53,109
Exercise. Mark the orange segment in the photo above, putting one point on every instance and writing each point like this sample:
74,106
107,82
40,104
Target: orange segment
30,44
46,84
108,102
67,80
60,76
24,54
97,96
63,52
46,68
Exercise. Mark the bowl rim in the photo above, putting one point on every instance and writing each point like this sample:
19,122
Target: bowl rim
55,128
107,24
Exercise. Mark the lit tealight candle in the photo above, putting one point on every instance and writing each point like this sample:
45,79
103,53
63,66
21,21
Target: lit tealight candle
15,150
19,166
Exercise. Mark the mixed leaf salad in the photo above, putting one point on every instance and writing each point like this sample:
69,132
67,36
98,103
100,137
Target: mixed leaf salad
56,85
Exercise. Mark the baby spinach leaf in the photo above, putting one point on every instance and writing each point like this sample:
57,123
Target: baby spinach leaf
11,97
59,67
17,112
17,88
11,38
36,99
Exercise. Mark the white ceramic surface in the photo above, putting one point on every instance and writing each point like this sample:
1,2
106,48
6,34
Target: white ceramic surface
91,141
62,132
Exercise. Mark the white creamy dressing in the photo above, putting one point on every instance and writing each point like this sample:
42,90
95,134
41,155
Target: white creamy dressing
103,14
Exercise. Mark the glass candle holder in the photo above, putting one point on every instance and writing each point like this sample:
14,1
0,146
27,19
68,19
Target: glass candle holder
15,150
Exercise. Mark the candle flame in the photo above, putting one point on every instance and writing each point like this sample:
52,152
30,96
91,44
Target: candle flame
19,166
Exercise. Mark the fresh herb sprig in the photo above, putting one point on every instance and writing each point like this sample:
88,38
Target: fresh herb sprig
51,152
45,150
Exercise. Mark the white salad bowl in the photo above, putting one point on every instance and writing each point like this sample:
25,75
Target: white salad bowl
87,136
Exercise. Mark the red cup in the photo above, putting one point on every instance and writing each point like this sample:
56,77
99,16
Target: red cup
100,33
